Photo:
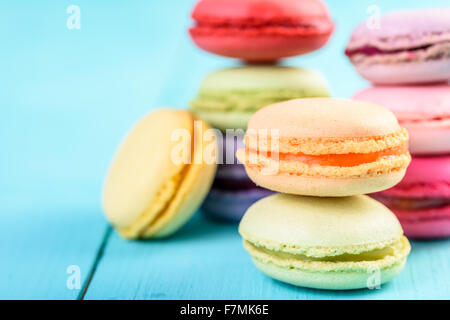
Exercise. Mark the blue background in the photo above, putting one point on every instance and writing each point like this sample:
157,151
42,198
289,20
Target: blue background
68,97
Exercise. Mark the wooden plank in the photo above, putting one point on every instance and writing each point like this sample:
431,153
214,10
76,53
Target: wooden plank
41,236
206,260
72,94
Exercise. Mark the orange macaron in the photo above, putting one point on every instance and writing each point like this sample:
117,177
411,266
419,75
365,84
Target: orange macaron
325,147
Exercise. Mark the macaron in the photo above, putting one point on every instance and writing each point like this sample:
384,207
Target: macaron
325,147
160,175
424,110
407,46
260,30
228,98
421,200
232,192
325,243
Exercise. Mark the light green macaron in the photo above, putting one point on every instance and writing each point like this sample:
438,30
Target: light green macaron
325,243
228,98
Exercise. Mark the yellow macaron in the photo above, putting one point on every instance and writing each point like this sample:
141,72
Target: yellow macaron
159,176
325,243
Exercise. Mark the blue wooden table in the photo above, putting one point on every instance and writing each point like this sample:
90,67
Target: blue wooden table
67,98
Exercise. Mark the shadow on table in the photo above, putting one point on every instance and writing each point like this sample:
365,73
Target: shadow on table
199,227
429,244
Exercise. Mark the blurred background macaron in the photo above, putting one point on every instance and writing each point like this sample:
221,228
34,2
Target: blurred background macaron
232,191
421,200
327,147
403,47
260,30
158,179
424,110
325,243
226,100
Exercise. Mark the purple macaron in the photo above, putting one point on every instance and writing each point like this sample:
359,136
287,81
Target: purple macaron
232,192
403,47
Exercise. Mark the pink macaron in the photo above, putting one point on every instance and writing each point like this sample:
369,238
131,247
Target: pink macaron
260,30
423,110
403,47
421,200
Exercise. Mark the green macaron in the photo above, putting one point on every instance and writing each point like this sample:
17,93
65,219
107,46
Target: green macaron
227,98
325,243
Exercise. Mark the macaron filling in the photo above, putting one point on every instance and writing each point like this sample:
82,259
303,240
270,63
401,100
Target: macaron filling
341,160
373,55
385,257
351,158
255,27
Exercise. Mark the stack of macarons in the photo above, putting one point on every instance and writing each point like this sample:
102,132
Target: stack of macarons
408,62
162,171
259,33
322,154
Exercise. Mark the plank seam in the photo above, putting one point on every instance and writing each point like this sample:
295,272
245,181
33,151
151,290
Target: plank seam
98,257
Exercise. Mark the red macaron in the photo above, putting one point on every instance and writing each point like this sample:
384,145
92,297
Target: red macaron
260,30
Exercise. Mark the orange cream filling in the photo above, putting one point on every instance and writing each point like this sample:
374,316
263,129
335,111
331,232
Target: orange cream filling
341,160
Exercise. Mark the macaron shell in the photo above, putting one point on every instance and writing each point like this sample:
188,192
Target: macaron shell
136,176
411,103
263,48
258,10
429,139
311,118
320,226
261,78
425,177
190,194
330,280
423,110
325,186
427,223
223,120
404,29
420,72
422,227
